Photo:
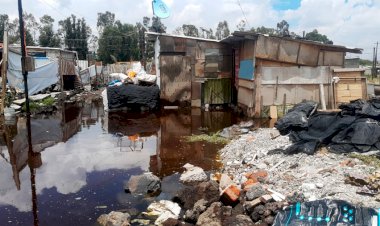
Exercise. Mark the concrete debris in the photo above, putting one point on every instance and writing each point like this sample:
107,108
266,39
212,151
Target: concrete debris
114,219
164,209
318,176
143,184
193,175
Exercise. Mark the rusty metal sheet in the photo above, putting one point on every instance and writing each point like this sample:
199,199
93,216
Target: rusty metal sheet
333,58
295,75
267,47
308,55
196,90
294,94
246,97
175,78
288,51
166,44
200,68
247,50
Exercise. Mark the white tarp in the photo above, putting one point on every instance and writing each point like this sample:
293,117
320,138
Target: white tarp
45,75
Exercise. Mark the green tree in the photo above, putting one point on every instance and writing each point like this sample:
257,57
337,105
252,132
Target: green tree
157,25
75,34
31,28
222,31
315,36
283,28
190,30
264,30
120,41
4,20
105,20
207,33
47,36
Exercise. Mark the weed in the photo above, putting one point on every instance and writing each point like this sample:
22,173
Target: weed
213,138
367,159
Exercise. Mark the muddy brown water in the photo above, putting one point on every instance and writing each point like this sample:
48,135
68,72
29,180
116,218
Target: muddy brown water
83,156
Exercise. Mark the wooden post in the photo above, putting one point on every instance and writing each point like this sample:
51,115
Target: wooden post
322,96
4,69
258,91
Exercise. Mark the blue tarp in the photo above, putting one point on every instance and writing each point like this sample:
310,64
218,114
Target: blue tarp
45,75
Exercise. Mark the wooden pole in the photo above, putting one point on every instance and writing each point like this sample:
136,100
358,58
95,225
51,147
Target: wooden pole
4,69
322,96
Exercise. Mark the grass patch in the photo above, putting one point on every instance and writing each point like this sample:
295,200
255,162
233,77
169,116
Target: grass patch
367,159
36,105
49,101
213,138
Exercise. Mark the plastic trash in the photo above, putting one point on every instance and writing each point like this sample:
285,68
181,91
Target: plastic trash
327,213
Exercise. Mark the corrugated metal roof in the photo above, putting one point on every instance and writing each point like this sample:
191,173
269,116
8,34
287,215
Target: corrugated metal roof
243,35
155,34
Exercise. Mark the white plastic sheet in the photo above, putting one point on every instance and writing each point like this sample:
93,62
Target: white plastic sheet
45,75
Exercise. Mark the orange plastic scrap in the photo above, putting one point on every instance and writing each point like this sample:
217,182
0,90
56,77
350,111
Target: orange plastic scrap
133,137
131,74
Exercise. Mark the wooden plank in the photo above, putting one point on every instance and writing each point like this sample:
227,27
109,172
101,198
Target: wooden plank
273,112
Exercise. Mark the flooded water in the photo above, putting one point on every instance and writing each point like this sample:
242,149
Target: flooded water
83,156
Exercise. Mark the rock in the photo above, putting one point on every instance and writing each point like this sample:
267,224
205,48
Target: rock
269,220
225,181
319,185
164,209
175,222
246,124
258,176
212,216
193,175
143,184
199,207
266,198
238,220
230,195
250,205
274,134
208,191
356,179
114,219
254,192
308,187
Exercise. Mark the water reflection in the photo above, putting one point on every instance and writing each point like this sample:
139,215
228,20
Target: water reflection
82,156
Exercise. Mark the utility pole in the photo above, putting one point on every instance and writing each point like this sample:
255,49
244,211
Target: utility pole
377,45
373,63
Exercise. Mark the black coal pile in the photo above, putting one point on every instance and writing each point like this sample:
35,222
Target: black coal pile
355,129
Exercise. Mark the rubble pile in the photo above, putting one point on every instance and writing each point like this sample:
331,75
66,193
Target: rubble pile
316,176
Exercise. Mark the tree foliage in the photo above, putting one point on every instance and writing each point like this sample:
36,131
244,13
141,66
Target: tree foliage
222,31
47,36
283,28
120,41
264,30
75,35
190,30
315,36
105,20
4,20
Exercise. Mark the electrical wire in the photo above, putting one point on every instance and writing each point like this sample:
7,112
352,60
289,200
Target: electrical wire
241,8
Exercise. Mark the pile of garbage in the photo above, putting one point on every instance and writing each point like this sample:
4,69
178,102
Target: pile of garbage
134,75
355,129
134,90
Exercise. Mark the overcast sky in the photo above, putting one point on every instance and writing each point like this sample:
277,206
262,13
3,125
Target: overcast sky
353,23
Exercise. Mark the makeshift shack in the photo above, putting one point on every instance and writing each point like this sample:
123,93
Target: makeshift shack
350,84
192,70
281,71
52,66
